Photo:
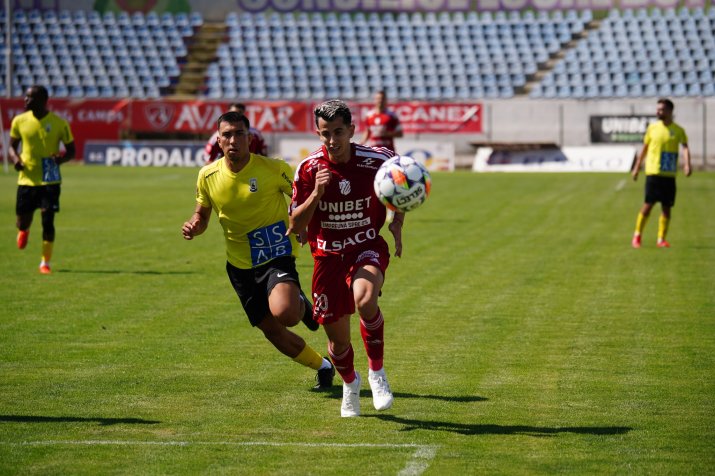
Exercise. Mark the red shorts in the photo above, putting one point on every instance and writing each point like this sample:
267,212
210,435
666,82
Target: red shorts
333,276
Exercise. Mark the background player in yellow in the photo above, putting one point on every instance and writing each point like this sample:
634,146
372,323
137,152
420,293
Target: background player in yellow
661,147
40,132
248,193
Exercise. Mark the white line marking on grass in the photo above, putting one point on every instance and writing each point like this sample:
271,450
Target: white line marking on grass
621,185
418,463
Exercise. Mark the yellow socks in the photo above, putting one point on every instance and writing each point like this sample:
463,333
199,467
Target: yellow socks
309,357
640,223
47,251
663,223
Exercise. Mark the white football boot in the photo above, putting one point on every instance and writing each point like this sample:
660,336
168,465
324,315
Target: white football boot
381,393
351,398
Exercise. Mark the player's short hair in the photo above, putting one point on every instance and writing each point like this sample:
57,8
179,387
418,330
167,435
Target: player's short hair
233,117
42,93
237,106
331,110
667,103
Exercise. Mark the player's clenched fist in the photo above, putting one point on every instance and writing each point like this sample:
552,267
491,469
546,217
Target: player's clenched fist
322,179
188,230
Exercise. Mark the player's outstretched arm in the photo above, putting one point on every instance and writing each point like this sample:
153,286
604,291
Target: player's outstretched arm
687,166
197,223
639,161
395,228
14,156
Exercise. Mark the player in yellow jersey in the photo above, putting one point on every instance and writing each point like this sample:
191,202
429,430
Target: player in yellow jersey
661,147
248,193
40,132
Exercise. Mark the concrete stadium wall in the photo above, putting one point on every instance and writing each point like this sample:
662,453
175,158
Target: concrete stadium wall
567,122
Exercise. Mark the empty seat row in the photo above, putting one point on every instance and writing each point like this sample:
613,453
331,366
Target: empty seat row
87,54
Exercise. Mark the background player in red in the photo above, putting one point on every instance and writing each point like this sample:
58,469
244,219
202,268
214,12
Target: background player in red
333,197
257,143
381,125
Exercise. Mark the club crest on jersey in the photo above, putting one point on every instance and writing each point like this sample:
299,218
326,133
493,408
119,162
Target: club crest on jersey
344,186
253,185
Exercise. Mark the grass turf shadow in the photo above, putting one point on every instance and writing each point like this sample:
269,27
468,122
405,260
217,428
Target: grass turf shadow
71,419
119,271
336,391
493,429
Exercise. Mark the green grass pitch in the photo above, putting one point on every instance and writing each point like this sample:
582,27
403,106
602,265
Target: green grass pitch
523,336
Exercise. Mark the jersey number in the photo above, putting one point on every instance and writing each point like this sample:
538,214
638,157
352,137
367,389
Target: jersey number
269,242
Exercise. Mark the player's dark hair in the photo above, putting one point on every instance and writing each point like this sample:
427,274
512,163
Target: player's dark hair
331,110
233,117
42,93
237,105
667,103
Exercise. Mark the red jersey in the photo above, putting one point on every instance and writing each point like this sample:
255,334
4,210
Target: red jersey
349,216
377,123
212,151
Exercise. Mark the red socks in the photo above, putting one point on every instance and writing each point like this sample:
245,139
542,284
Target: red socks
372,333
344,364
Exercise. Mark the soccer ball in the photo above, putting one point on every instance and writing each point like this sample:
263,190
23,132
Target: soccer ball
402,184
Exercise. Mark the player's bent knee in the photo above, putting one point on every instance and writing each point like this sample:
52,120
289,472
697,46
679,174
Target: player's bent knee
366,304
289,316
287,313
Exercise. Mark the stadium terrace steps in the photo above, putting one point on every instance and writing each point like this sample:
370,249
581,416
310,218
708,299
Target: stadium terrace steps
201,53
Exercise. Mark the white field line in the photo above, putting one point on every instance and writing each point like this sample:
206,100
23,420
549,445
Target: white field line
420,461
416,465
621,185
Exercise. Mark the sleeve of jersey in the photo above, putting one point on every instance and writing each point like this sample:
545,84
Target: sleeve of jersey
67,136
301,187
646,137
387,152
286,174
202,197
684,138
15,129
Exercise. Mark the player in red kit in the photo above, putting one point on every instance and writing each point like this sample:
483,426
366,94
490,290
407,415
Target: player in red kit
334,199
257,144
381,125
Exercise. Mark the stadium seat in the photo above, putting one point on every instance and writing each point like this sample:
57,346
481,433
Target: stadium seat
492,55
85,44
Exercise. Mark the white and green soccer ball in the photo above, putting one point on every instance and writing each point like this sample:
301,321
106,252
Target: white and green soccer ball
402,184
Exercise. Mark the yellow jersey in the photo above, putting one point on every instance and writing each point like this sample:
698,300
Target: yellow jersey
40,140
252,208
663,148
